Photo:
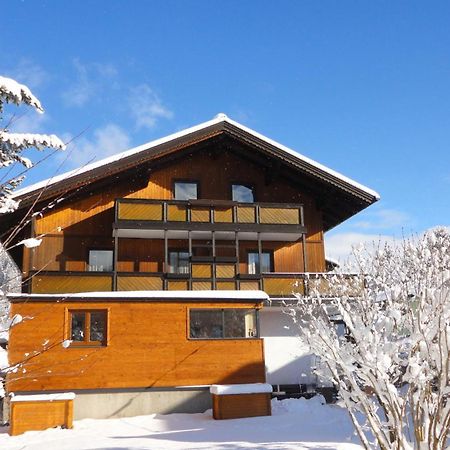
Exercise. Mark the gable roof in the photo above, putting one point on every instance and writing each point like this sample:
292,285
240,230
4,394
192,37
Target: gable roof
221,124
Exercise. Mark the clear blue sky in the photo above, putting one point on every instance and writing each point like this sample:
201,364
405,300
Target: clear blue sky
362,87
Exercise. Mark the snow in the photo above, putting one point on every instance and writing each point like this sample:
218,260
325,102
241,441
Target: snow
250,388
218,119
3,359
31,242
221,295
17,93
295,424
43,397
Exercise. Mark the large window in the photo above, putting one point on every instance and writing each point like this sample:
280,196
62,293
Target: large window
185,190
241,193
229,323
256,266
100,261
178,262
88,327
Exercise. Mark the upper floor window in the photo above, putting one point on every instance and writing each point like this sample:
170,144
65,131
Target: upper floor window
257,265
229,323
186,190
88,327
100,261
178,262
241,193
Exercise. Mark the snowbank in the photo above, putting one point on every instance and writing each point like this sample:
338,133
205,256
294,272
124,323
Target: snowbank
295,424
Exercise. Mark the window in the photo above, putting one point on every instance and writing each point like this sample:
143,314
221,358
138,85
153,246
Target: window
185,190
100,261
88,327
230,323
255,266
178,262
241,193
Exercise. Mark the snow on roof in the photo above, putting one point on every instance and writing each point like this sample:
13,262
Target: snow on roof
238,295
42,397
250,388
216,120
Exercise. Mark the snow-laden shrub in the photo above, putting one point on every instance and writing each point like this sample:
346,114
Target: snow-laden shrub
392,365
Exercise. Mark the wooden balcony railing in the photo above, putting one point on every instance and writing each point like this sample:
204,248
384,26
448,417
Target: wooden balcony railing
208,211
275,284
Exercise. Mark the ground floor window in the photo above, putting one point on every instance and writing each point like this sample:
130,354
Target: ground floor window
88,327
227,323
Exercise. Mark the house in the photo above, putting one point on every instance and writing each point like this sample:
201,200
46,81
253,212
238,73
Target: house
161,270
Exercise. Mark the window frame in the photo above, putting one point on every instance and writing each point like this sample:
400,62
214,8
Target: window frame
223,338
248,186
87,322
178,250
186,181
271,259
99,249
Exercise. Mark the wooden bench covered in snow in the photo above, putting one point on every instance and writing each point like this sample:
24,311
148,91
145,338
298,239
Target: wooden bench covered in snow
233,401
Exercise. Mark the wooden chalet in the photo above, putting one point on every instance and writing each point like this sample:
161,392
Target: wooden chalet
155,264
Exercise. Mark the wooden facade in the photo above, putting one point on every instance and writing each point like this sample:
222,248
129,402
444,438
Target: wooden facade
147,346
85,222
128,207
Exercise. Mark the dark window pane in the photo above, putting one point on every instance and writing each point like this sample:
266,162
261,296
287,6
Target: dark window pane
100,260
98,326
78,327
242,193
185,191
206,324
179,262
234,323
256,266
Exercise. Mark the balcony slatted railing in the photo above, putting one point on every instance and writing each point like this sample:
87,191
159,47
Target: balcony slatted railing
275,284
208,211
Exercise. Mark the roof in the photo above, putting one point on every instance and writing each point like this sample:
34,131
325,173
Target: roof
149,295
50,188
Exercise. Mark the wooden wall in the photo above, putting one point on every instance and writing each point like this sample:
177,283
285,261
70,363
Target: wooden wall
147,347
90,219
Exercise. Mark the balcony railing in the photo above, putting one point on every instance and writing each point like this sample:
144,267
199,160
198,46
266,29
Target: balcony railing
277,285
208,211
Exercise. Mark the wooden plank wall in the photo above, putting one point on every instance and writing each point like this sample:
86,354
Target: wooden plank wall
90,218
147,347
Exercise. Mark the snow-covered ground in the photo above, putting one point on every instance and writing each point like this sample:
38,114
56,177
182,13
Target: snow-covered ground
295,424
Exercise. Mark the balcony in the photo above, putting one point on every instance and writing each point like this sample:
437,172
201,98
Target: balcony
151,218
277,285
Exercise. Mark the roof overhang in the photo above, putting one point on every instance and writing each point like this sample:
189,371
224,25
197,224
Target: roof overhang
337,188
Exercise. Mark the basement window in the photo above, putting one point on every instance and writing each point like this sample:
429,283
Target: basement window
228,323
88,327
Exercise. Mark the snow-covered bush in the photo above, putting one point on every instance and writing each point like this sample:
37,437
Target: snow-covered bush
392,366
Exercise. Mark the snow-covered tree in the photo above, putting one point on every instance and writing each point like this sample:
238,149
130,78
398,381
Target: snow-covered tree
12,147
392,366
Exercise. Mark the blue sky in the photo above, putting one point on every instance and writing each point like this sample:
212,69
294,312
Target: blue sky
362,87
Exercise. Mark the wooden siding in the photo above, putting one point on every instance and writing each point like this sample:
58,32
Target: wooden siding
40,415
147,347
236,406
74,226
